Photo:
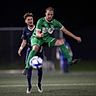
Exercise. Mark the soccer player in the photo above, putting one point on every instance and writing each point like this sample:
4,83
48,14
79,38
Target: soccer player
26,34
44,28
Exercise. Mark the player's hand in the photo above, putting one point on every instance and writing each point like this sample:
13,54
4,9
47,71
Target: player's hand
42,35
78,39
39,35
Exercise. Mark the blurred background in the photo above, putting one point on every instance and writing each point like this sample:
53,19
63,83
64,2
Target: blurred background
79,17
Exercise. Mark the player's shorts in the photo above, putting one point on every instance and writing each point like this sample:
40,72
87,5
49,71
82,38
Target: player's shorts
39,41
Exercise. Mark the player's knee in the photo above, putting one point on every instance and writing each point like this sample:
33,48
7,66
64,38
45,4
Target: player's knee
59,42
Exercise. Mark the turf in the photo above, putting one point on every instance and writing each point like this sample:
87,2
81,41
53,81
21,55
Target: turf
54,84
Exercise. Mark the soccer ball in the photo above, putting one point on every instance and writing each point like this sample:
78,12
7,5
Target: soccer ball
36,62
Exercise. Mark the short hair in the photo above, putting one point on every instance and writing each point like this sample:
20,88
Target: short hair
50,9
27,15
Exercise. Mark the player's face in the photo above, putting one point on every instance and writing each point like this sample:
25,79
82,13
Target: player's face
49,15
29,21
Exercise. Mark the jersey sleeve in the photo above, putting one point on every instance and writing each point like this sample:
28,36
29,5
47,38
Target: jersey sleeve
57,24
24,34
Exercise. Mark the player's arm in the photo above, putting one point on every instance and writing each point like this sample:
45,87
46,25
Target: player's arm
39,34
24,41
23,44
63,29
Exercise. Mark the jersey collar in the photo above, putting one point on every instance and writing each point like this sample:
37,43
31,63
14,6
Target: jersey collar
31,28
48,21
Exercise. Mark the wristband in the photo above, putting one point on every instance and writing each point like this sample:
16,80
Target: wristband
21,47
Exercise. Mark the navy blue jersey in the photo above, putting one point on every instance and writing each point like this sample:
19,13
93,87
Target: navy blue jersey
26,34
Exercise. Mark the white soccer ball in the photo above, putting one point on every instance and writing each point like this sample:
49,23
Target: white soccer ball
36,62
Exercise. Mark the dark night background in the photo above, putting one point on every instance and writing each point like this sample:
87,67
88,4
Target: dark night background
78,17
77,14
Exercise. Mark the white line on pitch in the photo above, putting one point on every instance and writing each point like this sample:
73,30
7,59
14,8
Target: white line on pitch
73,84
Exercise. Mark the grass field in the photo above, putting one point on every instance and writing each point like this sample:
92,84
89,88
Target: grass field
54,84
80,81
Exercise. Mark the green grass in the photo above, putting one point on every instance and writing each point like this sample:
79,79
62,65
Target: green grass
54,84
84,65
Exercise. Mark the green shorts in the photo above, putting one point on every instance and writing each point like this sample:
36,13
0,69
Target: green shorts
39,41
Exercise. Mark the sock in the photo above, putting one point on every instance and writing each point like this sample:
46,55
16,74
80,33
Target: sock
29,75
39,75
31,54
66,53
66,66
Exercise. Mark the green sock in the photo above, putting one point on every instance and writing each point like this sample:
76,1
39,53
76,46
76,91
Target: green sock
66,53
31,54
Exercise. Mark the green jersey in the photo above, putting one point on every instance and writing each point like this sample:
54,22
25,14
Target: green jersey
47,27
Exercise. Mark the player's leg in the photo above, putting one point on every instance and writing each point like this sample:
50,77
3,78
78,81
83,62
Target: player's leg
35,42
29,76
27,53
64,66
60,42
39,85
32,53
65,51
74,60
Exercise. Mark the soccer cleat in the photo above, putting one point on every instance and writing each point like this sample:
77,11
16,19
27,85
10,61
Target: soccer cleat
74,61
28,91
39,87
25,71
